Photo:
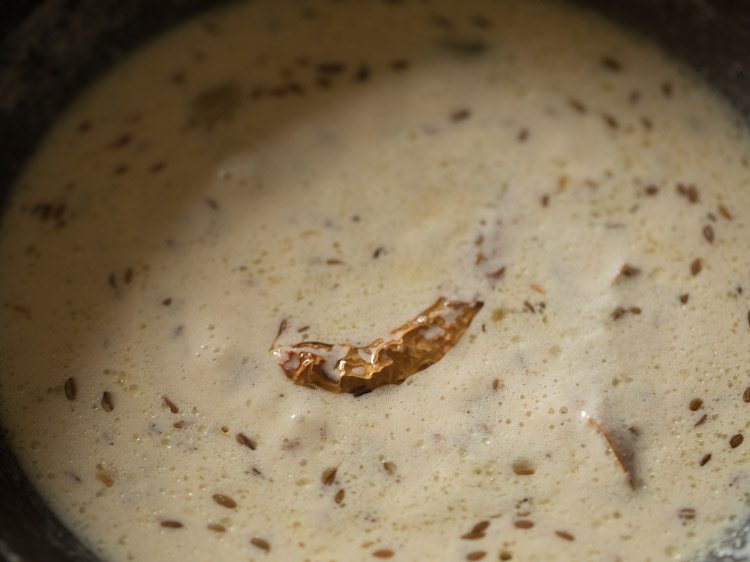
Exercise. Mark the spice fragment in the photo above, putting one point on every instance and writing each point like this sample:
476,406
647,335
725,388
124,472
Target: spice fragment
389,467
565,535
696,266
329,476
171,524
708,233
623,456
383,553
224,501
71,389
261,544
339,497
107,402
408,350
476,555
243,439
171,405
736,440
523,524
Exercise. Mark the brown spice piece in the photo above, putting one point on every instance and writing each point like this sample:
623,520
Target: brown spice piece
724,212
626,271
736,440
362,73
623,456
610,120
179,424
243,439
705,459
400,65
523,468
105,478
334,261
696,266
261,544
651,190
404,353
121,141
577,105
339,497
460,115
107,403
171,405
497,275
71,390
505,555
565,535
167,301
389,467
544,200
476,555
523,524
686,513
523,135
746,395
708,233
216,528
684,297
695,404
224,501
477,531
690,192
383,553
171,524
329,476
620,311
701,421
611,63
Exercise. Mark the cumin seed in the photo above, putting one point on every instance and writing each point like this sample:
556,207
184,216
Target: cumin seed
243,439
171,405
523,468
329,476
476,555
261,544
71,389
565,535
339,497
107,403
523,524
695,404
708,233
224,501
705,459
216,528
171,524
383,553
696,266
736,440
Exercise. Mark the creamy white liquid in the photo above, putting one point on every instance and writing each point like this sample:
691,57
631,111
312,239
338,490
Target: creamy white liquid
542,138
